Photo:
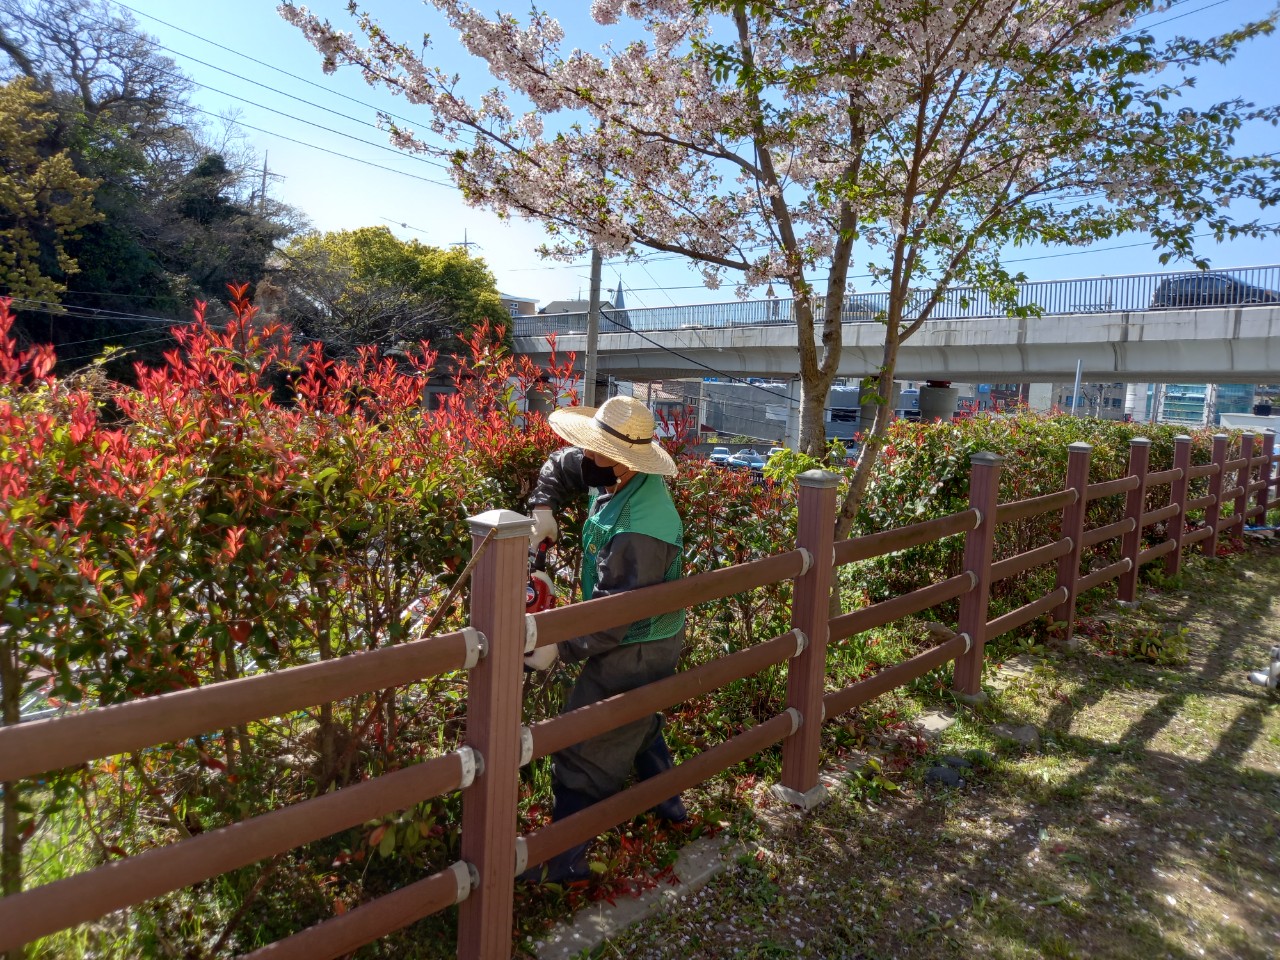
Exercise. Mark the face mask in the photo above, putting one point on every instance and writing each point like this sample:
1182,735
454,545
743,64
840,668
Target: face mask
594,475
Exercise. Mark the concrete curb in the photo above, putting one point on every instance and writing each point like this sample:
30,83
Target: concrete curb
697,863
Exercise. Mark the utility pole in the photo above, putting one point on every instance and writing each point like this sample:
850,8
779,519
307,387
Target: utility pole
262,194
1211,405
593,332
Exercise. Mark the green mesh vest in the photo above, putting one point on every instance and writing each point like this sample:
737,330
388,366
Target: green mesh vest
642,506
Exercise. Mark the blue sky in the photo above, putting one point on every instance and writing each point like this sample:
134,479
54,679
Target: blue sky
357,184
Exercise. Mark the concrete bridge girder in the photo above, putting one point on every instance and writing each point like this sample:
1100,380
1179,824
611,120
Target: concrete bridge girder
1220,345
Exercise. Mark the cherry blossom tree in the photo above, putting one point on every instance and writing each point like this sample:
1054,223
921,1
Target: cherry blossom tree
769,141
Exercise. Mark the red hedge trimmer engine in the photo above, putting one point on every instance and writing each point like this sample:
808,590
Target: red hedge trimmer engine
539,592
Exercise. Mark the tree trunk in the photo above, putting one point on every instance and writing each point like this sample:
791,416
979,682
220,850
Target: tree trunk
813,427
872,441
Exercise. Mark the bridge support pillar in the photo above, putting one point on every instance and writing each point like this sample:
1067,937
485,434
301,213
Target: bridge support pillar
938,400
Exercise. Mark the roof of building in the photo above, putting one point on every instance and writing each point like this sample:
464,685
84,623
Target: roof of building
566,306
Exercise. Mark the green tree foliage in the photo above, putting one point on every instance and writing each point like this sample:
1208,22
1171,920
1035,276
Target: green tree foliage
352,288
43,200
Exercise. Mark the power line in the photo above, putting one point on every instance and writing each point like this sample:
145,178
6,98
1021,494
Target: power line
133,296
50,308
1120,246
114,336
261,63
406,226
696,363
284,93
655,280
93,313
1208,6
180,76
309,123
335,153
377,146
132,346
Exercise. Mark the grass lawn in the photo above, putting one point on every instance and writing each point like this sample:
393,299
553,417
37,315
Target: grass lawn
1145,822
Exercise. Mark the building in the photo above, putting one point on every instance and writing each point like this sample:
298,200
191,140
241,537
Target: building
518,306
1102,401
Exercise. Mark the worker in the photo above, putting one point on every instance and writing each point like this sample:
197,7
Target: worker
632,537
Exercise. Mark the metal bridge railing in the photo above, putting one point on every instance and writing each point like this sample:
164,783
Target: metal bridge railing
1145,291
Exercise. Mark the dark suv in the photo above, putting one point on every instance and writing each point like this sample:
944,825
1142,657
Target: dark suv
1209,290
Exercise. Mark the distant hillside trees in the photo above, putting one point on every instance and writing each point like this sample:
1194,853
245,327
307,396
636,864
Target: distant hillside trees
179,202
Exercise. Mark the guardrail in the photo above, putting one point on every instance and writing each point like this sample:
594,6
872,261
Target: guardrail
1235,286
486,768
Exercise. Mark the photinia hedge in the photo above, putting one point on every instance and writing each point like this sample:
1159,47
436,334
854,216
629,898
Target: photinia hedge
924,473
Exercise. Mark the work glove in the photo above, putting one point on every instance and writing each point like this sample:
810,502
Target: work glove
544,525
542,658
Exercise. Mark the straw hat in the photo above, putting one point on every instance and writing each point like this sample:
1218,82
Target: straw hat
621,429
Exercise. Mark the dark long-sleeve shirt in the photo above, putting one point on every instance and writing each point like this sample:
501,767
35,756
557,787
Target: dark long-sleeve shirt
627,561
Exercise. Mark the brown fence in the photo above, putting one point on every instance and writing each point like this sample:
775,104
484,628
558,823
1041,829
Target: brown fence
487,768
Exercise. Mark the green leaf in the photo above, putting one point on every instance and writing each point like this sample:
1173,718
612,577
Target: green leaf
325,478
388,842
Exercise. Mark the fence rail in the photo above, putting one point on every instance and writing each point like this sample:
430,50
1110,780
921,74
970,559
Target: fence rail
486,768
1236,286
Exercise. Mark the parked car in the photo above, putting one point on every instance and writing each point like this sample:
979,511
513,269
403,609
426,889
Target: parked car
752,464
773,450
720,456
747,460
1209,290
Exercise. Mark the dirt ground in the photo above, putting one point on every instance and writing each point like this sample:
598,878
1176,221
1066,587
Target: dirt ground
1144,821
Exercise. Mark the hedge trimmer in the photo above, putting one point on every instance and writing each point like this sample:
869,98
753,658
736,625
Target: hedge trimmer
540,591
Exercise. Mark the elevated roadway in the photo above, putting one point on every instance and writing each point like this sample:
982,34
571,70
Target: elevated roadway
1221,326
1239,344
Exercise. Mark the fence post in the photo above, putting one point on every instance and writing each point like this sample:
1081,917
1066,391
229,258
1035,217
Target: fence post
1264,495
493,731
1073,526
984,495
1178,494
810,614
1213,512
1134,505
1244,476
